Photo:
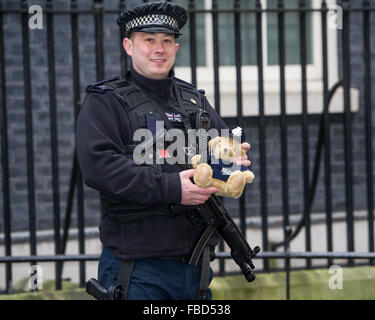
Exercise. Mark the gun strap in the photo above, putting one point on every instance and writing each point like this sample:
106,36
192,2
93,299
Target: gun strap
201,245
205,275
124,274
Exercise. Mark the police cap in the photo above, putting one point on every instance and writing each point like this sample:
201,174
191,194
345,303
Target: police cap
154,17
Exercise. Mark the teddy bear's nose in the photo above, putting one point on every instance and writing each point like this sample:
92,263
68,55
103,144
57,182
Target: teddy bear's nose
225,150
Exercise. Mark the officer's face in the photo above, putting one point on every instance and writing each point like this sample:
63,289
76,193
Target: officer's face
153,54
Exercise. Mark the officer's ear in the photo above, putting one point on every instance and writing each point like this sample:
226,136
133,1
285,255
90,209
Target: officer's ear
128,46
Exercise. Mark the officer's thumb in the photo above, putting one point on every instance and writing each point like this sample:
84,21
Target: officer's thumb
188,173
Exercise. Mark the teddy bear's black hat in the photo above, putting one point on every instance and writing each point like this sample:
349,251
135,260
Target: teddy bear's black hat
153,17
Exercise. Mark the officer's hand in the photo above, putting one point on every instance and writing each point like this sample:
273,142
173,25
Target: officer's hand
243,160
191,194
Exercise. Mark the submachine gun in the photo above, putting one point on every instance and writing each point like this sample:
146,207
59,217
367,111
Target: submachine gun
218,220
214,214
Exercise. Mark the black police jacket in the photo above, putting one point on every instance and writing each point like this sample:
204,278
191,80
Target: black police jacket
105,128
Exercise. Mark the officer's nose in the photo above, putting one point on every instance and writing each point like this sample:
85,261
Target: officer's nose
159,47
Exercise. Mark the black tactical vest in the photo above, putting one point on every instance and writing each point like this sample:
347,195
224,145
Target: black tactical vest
136,231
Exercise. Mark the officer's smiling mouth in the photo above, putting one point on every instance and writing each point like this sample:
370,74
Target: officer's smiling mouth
159,60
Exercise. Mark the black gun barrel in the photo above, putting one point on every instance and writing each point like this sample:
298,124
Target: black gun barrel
241,252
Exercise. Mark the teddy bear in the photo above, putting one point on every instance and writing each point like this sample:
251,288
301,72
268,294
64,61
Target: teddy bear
220,172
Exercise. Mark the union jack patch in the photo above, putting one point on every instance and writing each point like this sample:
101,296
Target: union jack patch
174,117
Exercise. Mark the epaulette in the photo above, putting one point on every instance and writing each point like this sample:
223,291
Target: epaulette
185,83
190,86
100,86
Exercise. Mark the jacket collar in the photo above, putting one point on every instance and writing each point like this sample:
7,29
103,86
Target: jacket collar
158,87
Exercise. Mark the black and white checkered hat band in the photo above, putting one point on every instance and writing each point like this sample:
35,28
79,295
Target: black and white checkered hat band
152,19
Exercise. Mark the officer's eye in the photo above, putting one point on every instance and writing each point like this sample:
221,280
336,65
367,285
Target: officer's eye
168,42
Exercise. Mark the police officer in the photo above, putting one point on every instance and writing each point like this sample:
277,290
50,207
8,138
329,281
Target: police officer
148,227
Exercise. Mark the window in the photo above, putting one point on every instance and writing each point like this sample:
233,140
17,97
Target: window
249,74
248,36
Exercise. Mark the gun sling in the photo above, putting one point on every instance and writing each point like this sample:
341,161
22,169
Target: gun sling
124,274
